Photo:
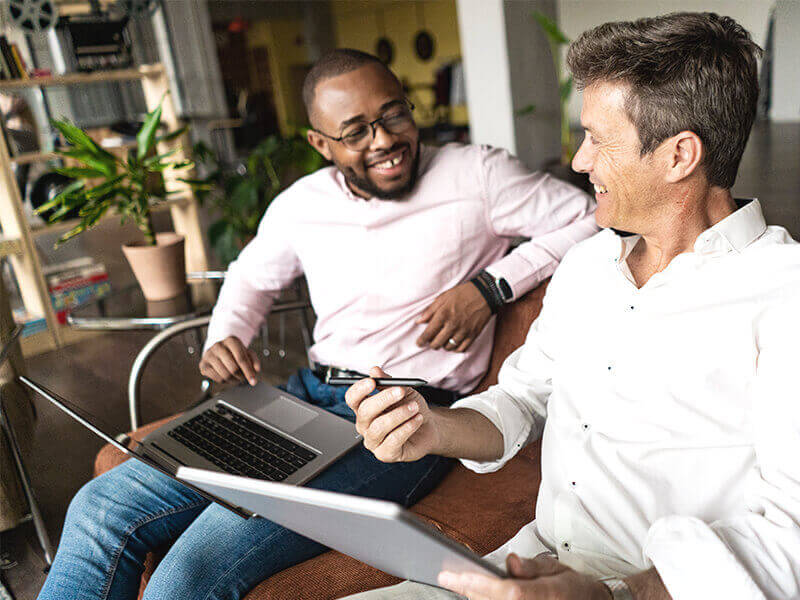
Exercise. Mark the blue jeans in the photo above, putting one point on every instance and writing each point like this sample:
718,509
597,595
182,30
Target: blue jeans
117,518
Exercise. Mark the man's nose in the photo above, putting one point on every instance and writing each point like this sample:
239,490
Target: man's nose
582,161
381,138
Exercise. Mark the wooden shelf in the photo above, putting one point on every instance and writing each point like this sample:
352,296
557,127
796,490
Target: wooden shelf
10,246
19,243
82,78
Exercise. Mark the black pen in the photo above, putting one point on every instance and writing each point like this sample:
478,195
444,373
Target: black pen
381,381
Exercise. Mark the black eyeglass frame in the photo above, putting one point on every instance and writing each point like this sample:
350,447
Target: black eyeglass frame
372,125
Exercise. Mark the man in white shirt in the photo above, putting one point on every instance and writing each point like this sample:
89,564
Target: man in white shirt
661,373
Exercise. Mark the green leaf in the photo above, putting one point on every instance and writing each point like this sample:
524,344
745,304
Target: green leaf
156,159
172,135
78,138
147,134
67,191
245,196
79,172
106,165
526,110
550,27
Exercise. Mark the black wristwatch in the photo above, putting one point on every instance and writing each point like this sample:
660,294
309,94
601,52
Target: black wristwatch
496,292
505,289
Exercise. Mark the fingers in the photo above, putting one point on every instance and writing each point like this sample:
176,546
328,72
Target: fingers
392,449
462,347
370,408
442,338
378,372
243,361
434,326
528,568
427,313
385,424
358,392
476,586
230,359
219,358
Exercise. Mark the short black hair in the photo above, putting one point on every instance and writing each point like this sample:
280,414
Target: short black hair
686,71
337,62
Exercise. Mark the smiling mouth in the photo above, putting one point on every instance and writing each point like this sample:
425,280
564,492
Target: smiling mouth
600,189
390,163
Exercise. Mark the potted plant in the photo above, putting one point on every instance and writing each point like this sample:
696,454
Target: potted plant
131,187
240,193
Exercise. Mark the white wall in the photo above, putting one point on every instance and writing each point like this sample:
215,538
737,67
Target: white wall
576,16
507,66
785,81
482,30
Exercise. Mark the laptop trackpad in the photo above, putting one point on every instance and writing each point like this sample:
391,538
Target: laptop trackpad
285,414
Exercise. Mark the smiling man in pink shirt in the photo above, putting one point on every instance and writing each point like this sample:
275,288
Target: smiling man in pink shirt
406,252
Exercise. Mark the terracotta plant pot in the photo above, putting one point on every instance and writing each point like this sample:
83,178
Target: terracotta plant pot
160,269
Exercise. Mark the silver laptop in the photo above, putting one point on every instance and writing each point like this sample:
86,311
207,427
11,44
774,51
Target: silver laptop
377,532
256,431
259,431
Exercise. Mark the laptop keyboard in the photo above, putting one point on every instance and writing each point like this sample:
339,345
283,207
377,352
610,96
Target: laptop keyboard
240,446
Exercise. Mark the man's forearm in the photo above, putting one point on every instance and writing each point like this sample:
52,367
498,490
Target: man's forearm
647,585
466,433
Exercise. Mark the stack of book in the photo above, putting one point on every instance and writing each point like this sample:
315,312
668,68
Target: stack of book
71,284
77,285
11,64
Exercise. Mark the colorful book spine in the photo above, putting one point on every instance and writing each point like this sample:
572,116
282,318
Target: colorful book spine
19,62
8,58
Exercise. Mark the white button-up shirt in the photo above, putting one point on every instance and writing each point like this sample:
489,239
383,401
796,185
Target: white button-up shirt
670,413
373,266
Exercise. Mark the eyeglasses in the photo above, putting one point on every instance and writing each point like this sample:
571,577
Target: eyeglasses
358,136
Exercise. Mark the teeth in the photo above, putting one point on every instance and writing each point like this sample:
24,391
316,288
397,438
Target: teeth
600,189
388,164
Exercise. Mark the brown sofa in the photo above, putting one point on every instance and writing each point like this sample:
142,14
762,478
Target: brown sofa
480,511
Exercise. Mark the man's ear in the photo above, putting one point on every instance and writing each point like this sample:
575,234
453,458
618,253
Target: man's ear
319,143
685,153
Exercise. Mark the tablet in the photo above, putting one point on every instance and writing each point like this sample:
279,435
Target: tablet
377,532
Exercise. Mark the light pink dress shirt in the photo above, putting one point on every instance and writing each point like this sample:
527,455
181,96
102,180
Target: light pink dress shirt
373,266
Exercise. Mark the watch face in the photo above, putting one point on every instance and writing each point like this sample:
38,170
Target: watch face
505,289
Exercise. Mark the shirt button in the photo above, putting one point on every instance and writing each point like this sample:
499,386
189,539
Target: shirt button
565,546
632,307
585,426
573,484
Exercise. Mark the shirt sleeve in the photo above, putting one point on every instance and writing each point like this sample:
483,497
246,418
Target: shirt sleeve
754,554
517,405
522,203
254,280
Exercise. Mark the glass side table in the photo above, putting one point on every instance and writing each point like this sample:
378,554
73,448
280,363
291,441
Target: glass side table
127,308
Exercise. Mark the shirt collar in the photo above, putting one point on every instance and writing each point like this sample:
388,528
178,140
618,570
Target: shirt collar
735,232
732,234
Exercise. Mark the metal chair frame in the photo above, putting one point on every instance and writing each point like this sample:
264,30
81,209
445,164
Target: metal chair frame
194,325
34,513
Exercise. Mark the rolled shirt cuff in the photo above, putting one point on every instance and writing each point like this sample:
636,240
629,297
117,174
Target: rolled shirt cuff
511,422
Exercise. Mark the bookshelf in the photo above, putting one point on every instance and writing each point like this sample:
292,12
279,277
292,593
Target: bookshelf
17,239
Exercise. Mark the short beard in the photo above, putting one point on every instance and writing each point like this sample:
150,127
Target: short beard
366,186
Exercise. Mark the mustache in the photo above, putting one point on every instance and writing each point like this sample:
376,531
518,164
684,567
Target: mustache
376,158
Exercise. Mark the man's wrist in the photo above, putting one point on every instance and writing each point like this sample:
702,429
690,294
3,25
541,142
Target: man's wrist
617,588
490,290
